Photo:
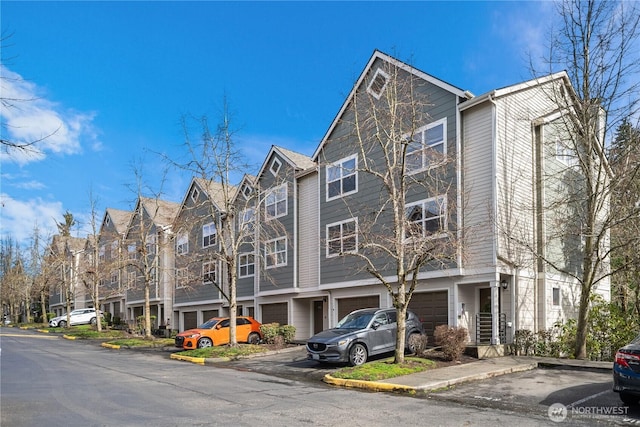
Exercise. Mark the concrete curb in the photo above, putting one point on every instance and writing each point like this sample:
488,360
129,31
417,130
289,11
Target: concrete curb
111,346
69,337
477,377
368,385
197,360
215,360
43,331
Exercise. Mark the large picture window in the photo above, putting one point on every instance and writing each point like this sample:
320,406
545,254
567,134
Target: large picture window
342,237
427,218
342,177
276,202
208,235
275,252
427,147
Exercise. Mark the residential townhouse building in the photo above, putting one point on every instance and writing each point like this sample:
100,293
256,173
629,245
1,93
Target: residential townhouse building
66,254
503,152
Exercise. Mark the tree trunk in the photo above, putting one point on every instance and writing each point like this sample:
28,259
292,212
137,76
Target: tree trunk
580,350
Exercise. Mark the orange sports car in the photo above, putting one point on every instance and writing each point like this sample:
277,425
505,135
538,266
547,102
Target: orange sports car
215,331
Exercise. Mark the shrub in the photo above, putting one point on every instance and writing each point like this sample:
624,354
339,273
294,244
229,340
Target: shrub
452,341
274,331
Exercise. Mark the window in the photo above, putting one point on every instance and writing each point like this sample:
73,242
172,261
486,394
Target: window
556,297
247,224
427,217
114,250
101,252
182,243
246,265
378,83
209,272
132,278
151,244
276,202
181,277
132,251
246,191
208,235
114,279
107,220
426,147
342,178
195,193
342,238
276,252
275,166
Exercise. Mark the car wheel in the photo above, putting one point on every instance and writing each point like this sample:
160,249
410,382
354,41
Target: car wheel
62,323
205,342
628,399
357,355
253,338
93,321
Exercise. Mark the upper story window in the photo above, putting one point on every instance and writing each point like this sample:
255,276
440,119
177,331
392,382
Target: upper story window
151,244
132,251
276,202
208,235
342,237
195,193
131,278
114,279
181,277
114,249
427,218
107,220
247,224
182,243
101,252
564,153
555,296
427,147
275,252
246,191
209,272
246,265
378,83
342,177
276,164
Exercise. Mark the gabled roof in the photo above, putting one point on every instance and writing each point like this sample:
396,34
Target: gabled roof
397,63
508,90
119,218
296,160
161,212
247,179
216,192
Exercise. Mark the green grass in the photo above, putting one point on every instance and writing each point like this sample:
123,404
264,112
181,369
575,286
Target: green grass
225,351
143,342
384,369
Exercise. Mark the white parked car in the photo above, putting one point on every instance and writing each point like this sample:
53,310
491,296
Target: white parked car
81,316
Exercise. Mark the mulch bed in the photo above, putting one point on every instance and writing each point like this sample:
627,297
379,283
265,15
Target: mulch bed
441,362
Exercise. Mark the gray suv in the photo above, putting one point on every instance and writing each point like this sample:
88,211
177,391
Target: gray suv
360,334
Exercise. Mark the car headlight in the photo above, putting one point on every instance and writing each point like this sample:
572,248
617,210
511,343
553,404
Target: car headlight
343,342
193,336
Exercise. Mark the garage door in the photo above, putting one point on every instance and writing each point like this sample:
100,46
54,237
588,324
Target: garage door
347,305
275,313
190,319
208,314
432,308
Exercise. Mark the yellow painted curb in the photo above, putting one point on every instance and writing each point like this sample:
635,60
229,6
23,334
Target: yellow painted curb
367,385
113,346
198,360
69,337
24,328
44,331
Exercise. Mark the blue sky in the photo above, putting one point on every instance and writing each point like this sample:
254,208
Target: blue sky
111,81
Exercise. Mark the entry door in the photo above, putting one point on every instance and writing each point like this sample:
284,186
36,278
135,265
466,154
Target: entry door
318,316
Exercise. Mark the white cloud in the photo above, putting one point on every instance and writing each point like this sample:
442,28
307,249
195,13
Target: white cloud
28,117
31,185
19,217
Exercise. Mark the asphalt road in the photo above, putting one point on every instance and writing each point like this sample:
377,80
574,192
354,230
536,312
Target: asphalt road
51,381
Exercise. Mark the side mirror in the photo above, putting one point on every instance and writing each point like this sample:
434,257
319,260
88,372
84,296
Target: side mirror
218,326
375,325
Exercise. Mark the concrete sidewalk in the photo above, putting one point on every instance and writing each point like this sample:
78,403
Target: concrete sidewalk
441,378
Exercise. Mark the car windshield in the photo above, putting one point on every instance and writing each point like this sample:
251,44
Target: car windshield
209,324
355,321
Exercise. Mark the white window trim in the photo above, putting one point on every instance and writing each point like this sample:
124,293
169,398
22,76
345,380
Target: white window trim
370,90
207,270
195,193
556,306
214,233
275,166
132,251
268,254
246,191
132,278
564,154
426,148
182,243
271,192
241,264
339,165
181,276
443,214
330,255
